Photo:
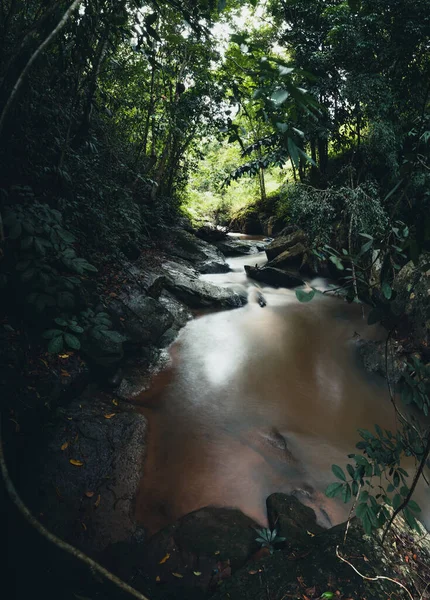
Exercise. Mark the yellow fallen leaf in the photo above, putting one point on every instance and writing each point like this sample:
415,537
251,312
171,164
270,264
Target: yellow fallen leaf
217,552
65,373
197,573
178,575
109,416
158,579
89,494
65,445
69,419
310,533
115,402
76,463
163,560
42,360
97,502
64,355
84,527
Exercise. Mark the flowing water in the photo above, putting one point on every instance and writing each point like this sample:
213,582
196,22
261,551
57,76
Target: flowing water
259,400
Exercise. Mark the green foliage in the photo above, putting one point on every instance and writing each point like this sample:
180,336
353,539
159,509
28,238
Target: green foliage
268,538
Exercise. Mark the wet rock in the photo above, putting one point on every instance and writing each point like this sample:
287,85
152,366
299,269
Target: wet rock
237,247
201,254
211,234
90,503
183,283
179,310
196,553
285,242
294,257
274,277
102,351
144,319
292,519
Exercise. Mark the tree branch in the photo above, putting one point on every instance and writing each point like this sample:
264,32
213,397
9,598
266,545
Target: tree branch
33,57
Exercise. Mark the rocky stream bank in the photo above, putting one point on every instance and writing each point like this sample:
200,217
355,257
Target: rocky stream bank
78,465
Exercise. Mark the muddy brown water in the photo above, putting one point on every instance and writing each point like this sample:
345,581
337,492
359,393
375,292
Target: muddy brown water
259,400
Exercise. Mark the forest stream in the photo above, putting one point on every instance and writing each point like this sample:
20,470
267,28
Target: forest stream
260,400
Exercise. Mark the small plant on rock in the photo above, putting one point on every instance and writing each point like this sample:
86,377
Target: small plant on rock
268,538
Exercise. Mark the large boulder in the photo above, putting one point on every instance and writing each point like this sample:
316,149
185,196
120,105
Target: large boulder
294,257
204,256
236,247
184,284
273,277
85,481
143,318
285,242
292,519
191,557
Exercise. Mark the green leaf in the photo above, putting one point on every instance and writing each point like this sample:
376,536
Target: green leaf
338,472
346,493
333,490
60,321
303,296
72,341
49,334
414,506
386,290
293,151
56,345
75,328
279,96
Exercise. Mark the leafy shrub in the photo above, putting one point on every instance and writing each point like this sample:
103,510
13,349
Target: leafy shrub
48,277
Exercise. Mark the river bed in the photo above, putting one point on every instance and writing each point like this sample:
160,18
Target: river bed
259,400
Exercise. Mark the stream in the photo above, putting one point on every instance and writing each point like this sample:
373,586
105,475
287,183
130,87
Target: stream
259,400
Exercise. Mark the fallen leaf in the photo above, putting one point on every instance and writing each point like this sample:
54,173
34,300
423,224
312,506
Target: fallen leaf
163,560
65,373
89,494
76,463
84,527
306,597
121,319
310,533
109,416
414,557
42,360
97,502
252,572
69,419
64,355
365,558
157,579
197,573
113,295
65,445
57,491
178,575
76,438
217,552
115,402
407,559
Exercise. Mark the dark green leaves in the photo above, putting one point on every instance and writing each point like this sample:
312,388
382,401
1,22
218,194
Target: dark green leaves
338,472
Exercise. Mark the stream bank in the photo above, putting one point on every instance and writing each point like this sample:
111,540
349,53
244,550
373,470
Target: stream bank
93,504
